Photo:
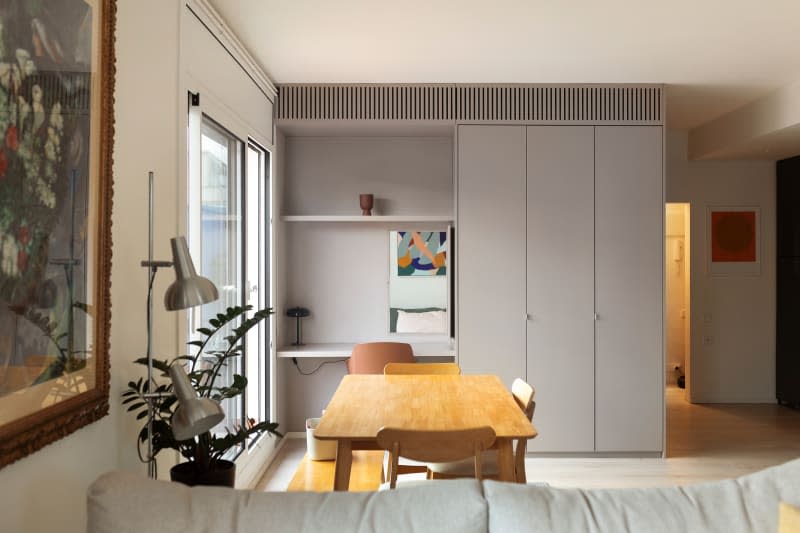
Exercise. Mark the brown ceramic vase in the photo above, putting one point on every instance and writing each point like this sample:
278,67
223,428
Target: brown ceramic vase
366,201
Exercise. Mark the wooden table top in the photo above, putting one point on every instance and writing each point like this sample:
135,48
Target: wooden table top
364,403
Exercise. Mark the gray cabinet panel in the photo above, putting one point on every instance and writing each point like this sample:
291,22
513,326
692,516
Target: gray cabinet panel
560,292
491,250
629,297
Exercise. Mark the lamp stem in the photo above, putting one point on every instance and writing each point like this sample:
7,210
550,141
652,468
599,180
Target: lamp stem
152,267
150,216
151,462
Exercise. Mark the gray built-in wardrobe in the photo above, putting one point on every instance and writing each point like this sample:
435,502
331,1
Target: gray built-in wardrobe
559,239
560,276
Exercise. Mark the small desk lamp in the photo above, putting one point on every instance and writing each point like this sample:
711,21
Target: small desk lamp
298,313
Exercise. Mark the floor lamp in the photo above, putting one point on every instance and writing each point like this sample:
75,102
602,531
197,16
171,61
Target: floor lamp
194,415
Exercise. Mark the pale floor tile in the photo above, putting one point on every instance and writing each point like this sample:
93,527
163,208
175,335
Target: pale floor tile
705,442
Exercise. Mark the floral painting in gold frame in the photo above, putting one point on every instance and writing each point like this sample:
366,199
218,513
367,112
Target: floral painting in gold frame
56,135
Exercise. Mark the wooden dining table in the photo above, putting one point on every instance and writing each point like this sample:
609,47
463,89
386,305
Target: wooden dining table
364,403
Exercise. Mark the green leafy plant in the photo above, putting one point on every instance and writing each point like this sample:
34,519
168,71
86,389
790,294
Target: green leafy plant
203,369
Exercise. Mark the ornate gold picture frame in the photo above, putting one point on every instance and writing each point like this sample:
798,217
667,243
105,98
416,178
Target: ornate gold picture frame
56,123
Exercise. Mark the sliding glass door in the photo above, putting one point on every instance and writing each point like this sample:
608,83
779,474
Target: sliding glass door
229,232
221,232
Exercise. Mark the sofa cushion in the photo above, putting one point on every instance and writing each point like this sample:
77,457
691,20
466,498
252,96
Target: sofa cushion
127,503
749,503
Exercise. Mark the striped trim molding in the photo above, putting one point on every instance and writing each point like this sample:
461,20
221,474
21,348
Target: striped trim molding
641,104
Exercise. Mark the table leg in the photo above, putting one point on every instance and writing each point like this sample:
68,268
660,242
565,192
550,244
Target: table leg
344,461
505,460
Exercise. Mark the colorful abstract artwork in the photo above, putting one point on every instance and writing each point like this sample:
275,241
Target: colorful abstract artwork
733,236
421,253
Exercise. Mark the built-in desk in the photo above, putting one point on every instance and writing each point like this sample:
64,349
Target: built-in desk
344,349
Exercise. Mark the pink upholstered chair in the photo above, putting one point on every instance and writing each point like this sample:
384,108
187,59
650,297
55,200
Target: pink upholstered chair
371,357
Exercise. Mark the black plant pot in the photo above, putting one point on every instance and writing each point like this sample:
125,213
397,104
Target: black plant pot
222,475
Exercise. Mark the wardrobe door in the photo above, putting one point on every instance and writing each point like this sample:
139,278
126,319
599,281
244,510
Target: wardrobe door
490,230
560,295
629,214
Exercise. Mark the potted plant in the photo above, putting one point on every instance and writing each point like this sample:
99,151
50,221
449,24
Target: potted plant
205,464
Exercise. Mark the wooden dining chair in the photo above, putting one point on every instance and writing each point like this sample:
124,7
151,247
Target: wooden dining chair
435,446
372,357
523,394
421,369
405,465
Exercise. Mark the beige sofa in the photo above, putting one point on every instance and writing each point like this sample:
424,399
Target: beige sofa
122,503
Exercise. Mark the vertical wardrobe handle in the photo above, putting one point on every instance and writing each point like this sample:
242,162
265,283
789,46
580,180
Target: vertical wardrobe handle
596,317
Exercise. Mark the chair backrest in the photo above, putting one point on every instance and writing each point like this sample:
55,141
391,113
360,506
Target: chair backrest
371,357
523,394
422,368
434,446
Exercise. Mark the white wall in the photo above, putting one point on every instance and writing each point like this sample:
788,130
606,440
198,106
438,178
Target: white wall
407,175
732,317
279,367
768,128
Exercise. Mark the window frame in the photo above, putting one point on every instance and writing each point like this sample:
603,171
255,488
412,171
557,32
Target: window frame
223,118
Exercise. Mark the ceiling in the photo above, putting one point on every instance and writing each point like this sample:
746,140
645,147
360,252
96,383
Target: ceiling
714,55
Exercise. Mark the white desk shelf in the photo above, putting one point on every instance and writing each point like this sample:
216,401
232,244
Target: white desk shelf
368,219
343,349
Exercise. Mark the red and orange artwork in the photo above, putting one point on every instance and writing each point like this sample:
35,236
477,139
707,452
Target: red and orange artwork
733,236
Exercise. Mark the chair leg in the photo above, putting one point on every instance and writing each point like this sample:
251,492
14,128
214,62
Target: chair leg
519,461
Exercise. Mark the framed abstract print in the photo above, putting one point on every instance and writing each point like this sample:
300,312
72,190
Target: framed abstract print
733,240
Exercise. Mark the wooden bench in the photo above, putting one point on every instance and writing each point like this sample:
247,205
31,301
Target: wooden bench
317,476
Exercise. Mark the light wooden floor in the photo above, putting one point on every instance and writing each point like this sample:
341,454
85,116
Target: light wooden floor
704,443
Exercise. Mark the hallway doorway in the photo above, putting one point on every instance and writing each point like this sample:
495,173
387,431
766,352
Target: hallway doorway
677,349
